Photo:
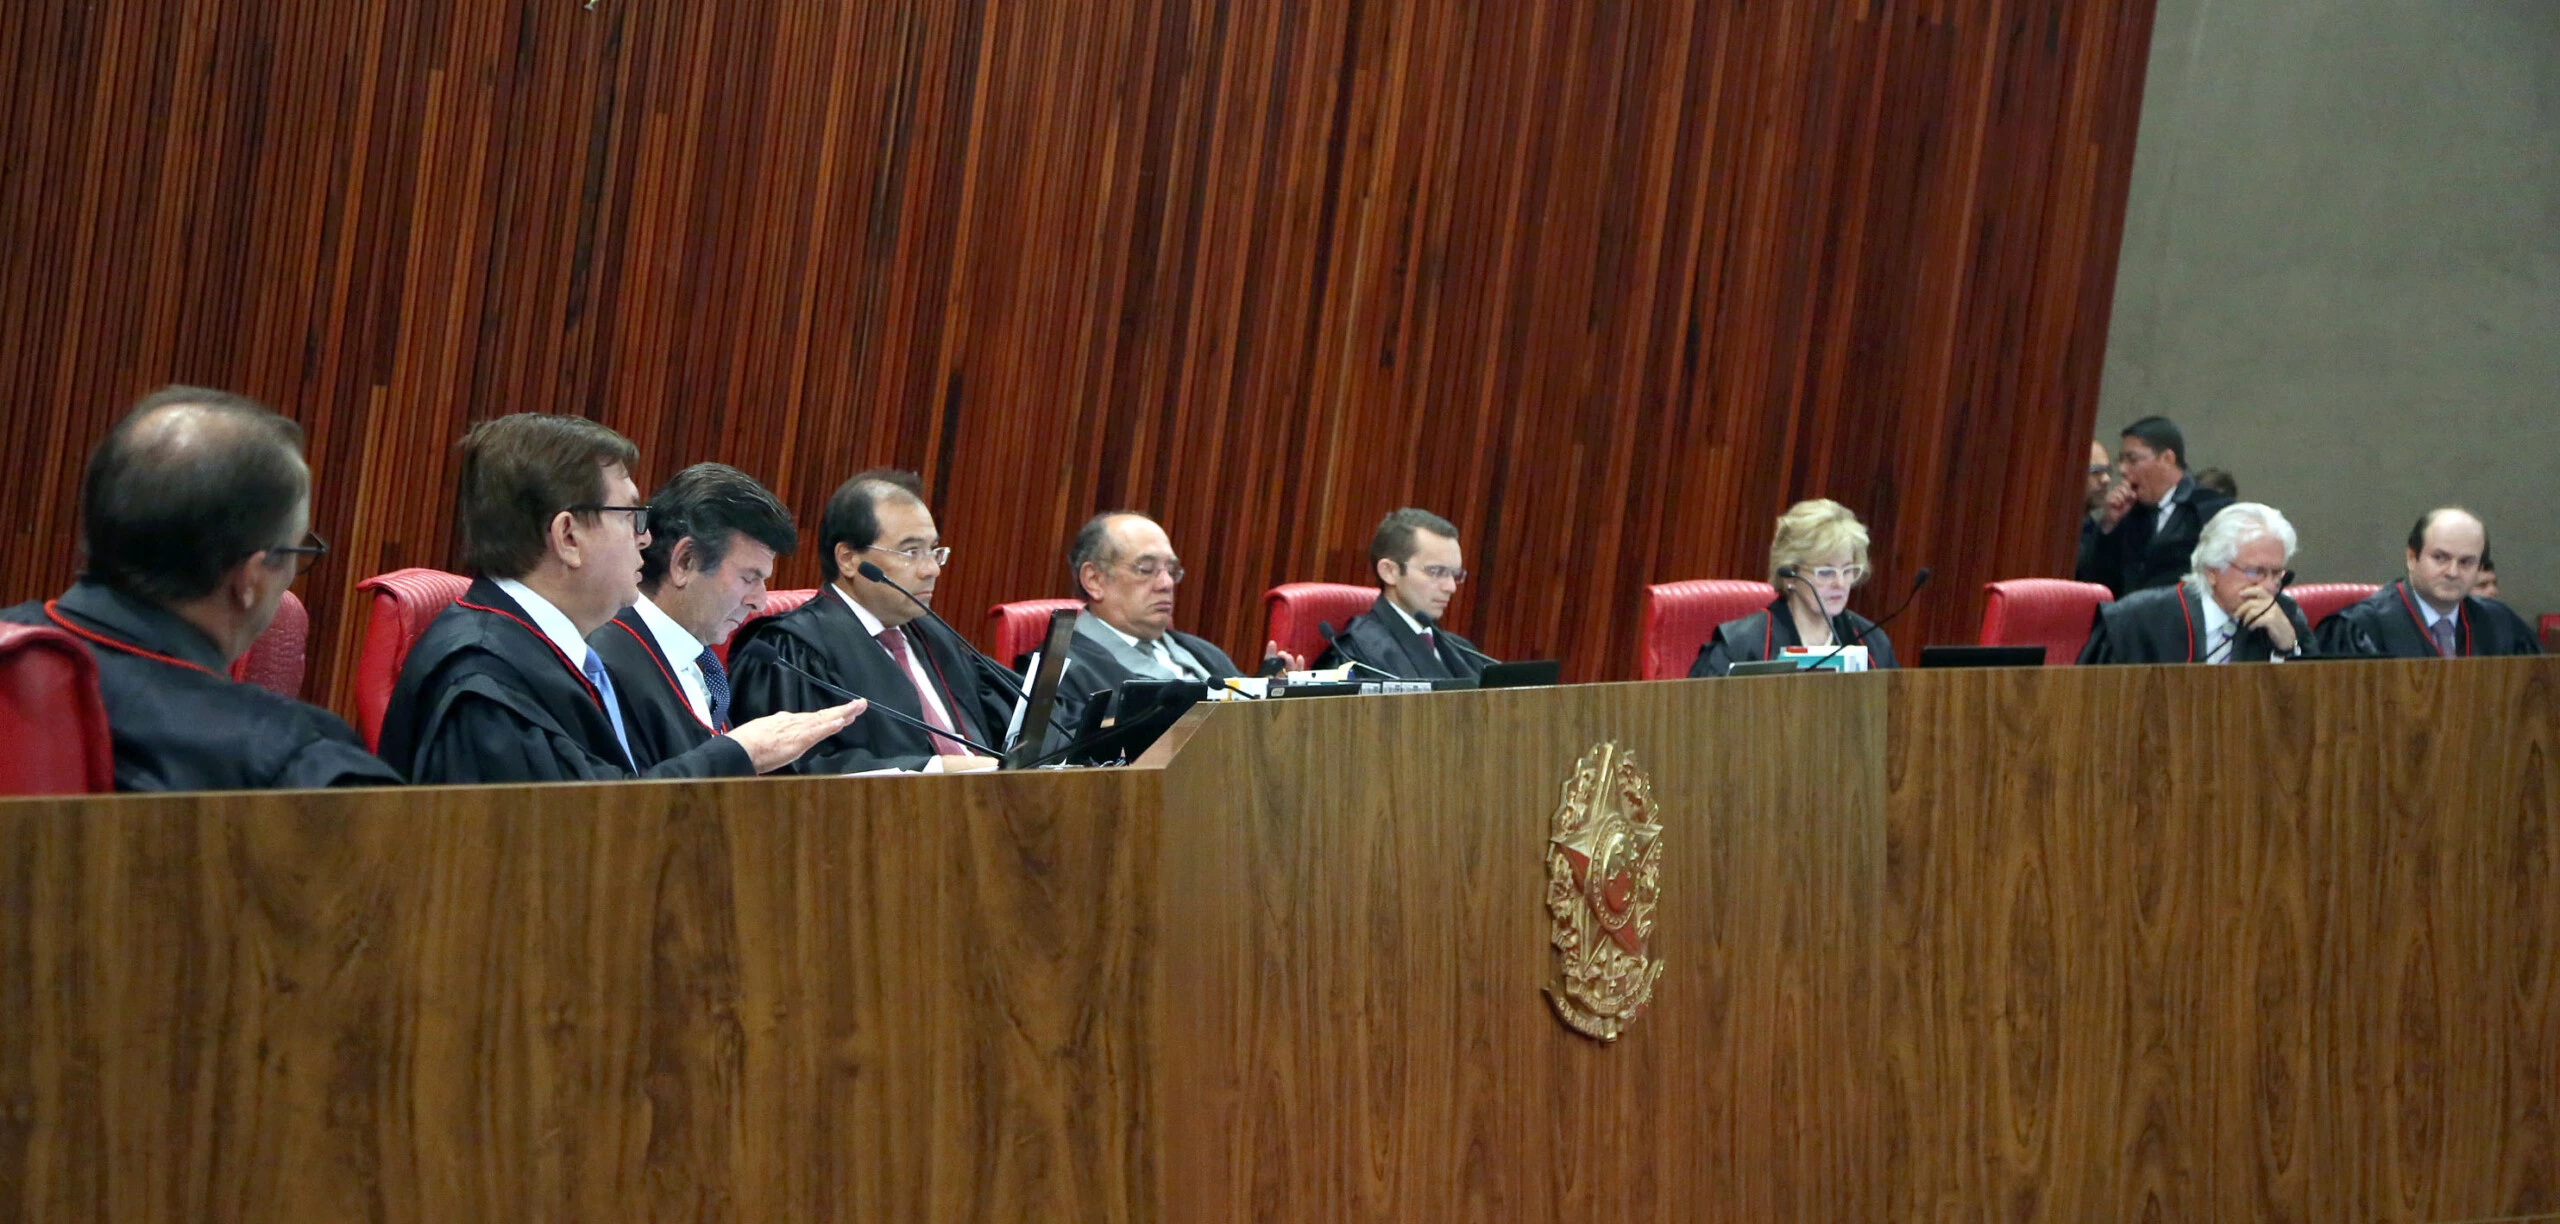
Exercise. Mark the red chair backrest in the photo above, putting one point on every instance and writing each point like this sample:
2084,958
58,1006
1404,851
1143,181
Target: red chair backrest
2319,599
1679,617
2551,631
1291,610
50,716
2050,612
404,601
1017,628
275,661
775,604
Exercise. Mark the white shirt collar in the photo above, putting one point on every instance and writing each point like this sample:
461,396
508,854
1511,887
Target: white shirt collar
1144,648
2434,618
1409,621
870,624
554,623
2169,501
681,647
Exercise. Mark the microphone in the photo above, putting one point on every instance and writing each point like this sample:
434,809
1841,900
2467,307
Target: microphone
1434,625
761,649
1325,628
875,574
2257,625
1918,581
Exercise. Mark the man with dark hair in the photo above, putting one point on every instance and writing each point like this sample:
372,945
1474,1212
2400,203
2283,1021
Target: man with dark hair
1124,568
871,638
2216,480
713,536
1418,565
2433,612
195,517
2147,529
503,686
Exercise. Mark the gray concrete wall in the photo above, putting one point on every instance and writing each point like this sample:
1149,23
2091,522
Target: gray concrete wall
2341,269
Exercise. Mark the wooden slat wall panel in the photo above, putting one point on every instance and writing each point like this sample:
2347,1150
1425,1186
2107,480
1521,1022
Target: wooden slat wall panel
1607,284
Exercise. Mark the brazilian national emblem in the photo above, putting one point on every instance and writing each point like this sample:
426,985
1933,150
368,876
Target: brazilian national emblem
1604,872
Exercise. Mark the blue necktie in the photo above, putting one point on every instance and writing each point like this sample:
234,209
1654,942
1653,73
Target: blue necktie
715,681
612,708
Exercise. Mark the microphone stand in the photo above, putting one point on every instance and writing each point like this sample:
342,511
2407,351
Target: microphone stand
765,650
1918,581
875,574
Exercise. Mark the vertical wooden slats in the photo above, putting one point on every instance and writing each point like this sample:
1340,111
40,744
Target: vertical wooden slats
1608,285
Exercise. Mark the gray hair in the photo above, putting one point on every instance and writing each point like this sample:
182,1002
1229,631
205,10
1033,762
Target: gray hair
2239,524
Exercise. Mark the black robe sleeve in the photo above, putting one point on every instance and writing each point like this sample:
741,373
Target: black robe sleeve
759,687
480,733
327,762
2097,649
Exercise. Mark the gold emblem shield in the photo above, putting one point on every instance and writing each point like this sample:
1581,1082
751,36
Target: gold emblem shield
1604,873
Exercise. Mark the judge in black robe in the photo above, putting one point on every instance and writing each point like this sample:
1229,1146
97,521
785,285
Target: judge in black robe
1100,660
656,715
1767,633
824,638
485,696
179,722
2167,625
2147,550
1384,640
2390,624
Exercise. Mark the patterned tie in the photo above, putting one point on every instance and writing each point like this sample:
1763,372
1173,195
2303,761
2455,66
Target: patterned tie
2221,652
612,708
715,681
1172,663
2443,631
895,642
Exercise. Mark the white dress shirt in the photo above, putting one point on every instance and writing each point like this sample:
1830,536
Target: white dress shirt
547,617
2218,622
926,689
684,654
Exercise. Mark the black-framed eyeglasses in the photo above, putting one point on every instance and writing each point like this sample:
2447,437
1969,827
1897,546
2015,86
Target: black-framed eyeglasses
639,515
305,554
940,555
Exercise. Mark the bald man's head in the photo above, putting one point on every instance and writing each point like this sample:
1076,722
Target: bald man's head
2445,548
190,484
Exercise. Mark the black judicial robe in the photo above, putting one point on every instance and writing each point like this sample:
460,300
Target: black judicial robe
2136,556
655,714
2389,624
486,696
825,638
1381,639
2167,626
177,719
1767,633
1097,669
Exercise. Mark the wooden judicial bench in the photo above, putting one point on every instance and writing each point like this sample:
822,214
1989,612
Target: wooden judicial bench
2184,944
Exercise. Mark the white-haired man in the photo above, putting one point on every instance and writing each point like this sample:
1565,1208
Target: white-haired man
2230,608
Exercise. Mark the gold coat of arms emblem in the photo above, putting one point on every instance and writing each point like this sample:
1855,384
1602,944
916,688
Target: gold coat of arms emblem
1604,873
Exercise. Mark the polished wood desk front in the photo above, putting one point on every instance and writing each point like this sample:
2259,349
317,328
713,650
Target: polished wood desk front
2068,944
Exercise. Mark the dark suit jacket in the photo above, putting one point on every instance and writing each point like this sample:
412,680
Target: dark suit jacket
1095,671
1767,633
2166,625
2388,623
655,714
178,721
824,637
2135,557
485,696
1381,639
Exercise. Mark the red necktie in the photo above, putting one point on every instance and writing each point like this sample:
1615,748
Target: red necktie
895,640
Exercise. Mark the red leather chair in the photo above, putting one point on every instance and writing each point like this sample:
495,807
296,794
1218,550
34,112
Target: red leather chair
50,716
1017,627
1679,617
403,602
2318,599
2551,631
1291,610
2050,612
775,604
275,661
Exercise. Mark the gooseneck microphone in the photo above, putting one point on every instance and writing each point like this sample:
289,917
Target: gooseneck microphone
1918,581
2258,623
1452,639
875,574
1325,629
761,649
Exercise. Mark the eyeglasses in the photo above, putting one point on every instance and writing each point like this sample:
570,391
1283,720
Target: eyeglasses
2254,574
1834,575
1437,573
2102,469
939,556
639,515
1151,568
305,554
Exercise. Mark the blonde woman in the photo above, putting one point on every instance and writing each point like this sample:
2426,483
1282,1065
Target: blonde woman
1818,556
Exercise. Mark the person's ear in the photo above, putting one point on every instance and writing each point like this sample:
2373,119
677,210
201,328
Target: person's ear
1386,570
680,563
562,536
1089,580
847,557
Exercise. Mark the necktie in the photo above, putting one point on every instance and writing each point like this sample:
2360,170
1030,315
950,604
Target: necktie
1430,644
612,708
2221,652
715,681
895,642
1180,670
2443,631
